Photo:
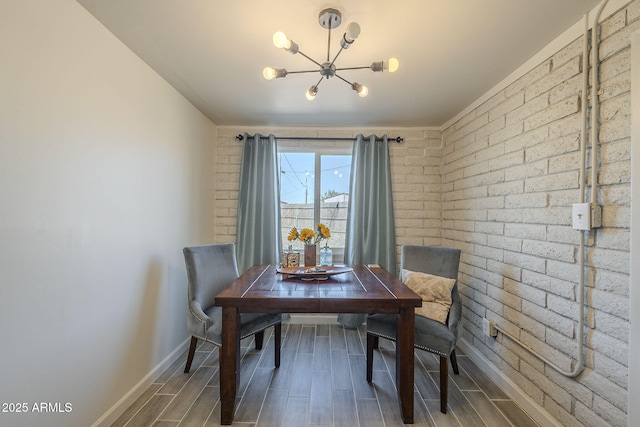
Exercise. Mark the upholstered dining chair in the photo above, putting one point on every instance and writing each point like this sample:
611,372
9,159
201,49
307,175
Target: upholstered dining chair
430,335
210,269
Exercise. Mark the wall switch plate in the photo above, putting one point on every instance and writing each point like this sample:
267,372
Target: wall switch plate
581,216
488,328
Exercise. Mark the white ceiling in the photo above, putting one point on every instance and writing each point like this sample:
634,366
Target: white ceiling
450,51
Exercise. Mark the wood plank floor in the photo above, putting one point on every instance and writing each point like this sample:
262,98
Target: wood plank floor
321,382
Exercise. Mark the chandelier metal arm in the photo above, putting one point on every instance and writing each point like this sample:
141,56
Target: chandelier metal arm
310,59
344,80
329,43
302,72
336,57
353,68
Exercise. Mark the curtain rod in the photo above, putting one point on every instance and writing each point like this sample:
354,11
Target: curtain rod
317,138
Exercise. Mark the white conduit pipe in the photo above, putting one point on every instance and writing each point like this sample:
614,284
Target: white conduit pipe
595,103
594,177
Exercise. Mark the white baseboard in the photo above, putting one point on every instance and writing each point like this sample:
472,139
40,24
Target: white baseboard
127,400
539,414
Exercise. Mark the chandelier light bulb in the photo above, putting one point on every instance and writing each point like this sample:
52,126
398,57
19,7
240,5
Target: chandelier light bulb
281,41
311,93
269,73
353,31
393,65
360,89
274,73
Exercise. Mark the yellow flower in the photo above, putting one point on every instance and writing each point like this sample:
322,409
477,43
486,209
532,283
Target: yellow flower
306,235
323,232
293,234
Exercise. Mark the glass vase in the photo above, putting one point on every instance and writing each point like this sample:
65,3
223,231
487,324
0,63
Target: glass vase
326,256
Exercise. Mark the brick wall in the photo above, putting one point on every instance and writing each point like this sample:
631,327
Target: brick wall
227,185
510,175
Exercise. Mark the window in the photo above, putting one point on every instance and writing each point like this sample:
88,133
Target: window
314,188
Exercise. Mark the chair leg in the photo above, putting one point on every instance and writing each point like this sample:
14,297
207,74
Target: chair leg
277,338
371,344
454,362
376,341
192,351
259,336
444,384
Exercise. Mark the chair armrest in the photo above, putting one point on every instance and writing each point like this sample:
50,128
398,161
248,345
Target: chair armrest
198,314
455,313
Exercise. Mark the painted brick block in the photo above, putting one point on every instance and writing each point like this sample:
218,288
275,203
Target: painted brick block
611,369
552,113
558,322
544,282
559,395
601,386
557,76
545,249
526,110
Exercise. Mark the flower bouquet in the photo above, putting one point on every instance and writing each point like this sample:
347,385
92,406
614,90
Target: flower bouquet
310,238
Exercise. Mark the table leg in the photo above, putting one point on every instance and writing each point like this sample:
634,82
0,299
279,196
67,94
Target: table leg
229,363
405,362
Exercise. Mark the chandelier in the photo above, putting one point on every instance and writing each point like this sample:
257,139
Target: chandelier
329,19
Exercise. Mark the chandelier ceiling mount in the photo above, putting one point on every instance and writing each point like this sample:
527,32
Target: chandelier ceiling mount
329,19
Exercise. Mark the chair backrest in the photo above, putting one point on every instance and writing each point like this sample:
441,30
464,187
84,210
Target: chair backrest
439,261
210,269
436,260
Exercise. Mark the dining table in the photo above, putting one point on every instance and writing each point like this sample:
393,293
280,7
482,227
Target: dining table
364,289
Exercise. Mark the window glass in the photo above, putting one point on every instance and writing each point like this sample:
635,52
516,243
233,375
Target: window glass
297,185
334,198
314,187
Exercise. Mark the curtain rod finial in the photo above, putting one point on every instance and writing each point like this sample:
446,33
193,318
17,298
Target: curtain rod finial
239,137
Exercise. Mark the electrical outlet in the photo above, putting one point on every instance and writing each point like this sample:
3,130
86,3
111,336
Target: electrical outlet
488,328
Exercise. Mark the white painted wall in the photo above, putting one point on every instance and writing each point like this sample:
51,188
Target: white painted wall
102,184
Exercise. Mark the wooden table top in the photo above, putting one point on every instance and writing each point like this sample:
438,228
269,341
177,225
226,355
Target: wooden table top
365,289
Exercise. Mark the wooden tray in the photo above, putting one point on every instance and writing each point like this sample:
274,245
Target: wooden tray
312,273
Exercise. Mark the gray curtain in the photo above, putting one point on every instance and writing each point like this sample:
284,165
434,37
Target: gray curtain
371,237
258,234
